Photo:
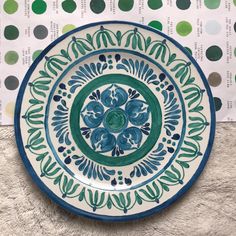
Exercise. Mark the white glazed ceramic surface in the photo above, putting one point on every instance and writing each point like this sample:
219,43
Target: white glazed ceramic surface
114,121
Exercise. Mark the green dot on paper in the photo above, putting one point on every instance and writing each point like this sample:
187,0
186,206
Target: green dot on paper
214,79
218,103
183,4
39,7
234,2
11,32
184,28
155,4
212,4
69,6
214,53
68,28
10,6
11,57
125,5
11,82
97,6
189,50
156,24
36,54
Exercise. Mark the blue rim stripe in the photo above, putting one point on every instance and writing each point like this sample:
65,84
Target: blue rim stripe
71,208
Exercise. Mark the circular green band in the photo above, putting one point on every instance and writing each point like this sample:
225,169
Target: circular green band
155,126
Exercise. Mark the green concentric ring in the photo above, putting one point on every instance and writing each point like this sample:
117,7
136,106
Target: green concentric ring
155,110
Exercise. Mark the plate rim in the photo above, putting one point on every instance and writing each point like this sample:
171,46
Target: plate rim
68,206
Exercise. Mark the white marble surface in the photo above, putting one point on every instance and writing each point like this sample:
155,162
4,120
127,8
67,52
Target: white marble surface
208,208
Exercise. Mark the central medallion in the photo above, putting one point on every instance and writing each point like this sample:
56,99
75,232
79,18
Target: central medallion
114,115
115,120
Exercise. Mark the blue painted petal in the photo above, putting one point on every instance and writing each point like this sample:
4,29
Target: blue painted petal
93,114
129,139
102,140
114,96
137,112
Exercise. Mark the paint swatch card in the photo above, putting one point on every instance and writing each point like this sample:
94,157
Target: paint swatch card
206,28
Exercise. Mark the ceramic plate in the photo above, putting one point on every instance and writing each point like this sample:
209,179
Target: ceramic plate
114,121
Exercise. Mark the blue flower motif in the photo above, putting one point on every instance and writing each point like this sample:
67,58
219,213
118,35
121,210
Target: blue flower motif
116,121
92,114
114,96
137,111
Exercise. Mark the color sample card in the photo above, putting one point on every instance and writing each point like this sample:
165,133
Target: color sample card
207,28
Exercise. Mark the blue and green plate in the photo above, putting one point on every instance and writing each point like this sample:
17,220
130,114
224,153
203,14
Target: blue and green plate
114,121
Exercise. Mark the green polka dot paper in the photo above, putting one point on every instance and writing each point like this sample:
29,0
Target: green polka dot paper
206,28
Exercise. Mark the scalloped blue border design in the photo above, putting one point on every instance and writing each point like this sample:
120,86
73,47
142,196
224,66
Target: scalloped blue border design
71,208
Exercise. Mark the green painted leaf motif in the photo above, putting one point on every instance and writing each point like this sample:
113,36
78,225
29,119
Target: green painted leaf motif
58,179
154,47
55,65
168,179
90,196
118,37
128,199
196,130
165,187
191,96
156,188
41,156
37,142
80,49
55,171
85,46
47,164
122,199
140,46
183,164
176,67
109,202
180,72
35,101
145,193
40,93
171,59
37,110
189,81
197,109
109,39
138,198
74,50
96,197
69,185
183,76
176,171
170,174
65,54
44,74
163,55
98,40
73,189
89,38
35,137
117,200
134,42
128,40
102,198
158,52
51,69
82,195
147,42
64,183
104,40
150,190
